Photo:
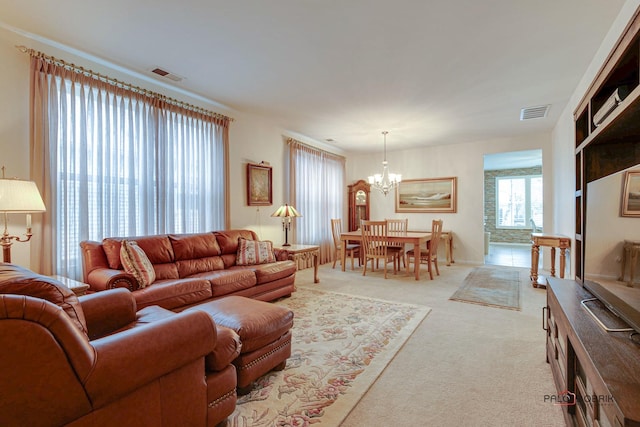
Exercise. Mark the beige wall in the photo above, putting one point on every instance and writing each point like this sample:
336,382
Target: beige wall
252,139
563,136
464,161
255,139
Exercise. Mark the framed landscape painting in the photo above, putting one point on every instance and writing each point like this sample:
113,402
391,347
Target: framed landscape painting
426,195
631,194
259,189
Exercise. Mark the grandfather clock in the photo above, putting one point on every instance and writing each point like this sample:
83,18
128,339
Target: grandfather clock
358,203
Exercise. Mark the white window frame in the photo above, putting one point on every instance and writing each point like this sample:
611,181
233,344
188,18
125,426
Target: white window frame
527,221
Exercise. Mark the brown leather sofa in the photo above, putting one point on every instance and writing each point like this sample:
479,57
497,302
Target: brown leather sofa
190,269
98,361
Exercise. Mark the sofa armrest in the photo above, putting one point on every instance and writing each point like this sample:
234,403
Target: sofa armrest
102,279
281,254
133,358
106,312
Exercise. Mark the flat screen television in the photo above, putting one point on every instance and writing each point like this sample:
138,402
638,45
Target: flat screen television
605,232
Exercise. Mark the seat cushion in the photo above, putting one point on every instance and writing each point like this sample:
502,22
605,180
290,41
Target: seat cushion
266,273
224,282
173,293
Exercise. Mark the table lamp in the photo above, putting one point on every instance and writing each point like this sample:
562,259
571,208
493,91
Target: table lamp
17,196
286,212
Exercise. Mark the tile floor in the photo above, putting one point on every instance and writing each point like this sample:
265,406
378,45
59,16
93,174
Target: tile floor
509,254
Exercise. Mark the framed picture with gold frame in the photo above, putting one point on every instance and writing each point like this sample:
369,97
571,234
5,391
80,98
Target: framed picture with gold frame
427,195
631,194
259,186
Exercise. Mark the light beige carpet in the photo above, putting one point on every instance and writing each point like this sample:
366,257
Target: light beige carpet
491,286
341,344
466,365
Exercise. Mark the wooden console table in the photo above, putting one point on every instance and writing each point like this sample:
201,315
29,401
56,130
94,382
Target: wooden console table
552,241
630,252
302,254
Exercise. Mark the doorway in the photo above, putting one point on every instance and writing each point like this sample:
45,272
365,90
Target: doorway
512,206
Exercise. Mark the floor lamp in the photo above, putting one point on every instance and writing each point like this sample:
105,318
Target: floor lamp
17,196
286,212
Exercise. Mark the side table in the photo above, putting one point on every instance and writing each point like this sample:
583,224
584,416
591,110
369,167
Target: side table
553,241
79,288
301,254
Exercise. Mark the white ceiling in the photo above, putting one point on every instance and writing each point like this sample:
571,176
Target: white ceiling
428,71
513,160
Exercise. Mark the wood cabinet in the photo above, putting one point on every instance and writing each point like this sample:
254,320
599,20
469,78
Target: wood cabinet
607,126
359,198
597,373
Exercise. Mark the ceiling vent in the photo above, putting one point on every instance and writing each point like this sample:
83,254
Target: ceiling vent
166,74
534,112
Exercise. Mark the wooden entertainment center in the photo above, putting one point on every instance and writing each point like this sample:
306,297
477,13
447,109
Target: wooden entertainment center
597,371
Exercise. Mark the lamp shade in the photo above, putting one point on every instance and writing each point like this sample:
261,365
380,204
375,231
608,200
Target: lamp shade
286,211
18,196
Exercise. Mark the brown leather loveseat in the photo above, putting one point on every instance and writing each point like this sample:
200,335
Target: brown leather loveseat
190,269
98,361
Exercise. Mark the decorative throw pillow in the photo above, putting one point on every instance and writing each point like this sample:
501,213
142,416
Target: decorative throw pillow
136,262
251,252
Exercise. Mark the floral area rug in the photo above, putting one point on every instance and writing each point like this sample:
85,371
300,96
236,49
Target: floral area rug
341,344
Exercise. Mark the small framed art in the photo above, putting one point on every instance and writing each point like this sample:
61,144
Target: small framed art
259,186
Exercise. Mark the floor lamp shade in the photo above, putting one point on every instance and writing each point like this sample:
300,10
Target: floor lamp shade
17,196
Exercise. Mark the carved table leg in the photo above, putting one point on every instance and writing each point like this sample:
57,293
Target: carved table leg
535,254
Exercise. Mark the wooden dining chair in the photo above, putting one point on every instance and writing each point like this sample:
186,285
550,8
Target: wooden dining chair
399,227
376,246
352,250
430,253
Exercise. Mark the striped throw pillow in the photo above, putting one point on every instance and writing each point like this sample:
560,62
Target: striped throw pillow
251,252
136,262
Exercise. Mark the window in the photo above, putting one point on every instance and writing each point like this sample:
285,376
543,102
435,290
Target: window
124,164
518,201
318,185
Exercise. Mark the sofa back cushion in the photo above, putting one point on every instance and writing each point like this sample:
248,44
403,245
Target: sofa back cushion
157,248
21,281
196,253
228,242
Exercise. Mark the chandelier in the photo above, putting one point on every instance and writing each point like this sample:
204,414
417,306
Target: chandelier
385,181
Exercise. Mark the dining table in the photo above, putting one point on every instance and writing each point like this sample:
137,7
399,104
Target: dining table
415,237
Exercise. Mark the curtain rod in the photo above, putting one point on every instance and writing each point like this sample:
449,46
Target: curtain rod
338,156
123,85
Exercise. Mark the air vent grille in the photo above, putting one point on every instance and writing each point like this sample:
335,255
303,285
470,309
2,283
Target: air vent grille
534,112
166,74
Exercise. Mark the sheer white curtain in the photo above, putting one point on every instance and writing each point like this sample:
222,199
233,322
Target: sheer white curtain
113,162
317,192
